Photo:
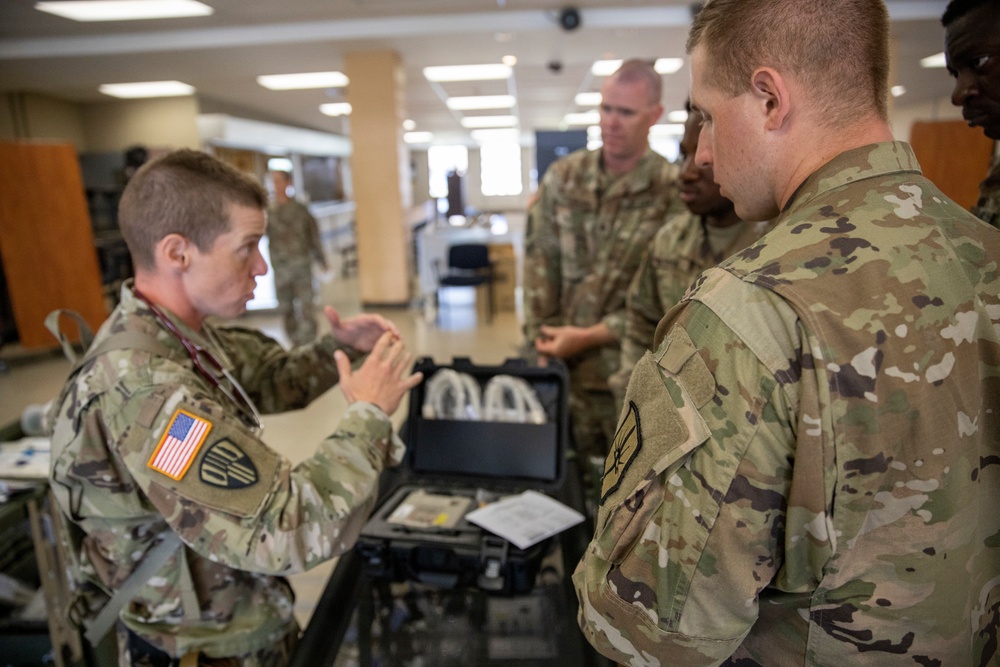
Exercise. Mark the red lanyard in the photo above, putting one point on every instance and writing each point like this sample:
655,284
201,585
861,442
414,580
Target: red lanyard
199,356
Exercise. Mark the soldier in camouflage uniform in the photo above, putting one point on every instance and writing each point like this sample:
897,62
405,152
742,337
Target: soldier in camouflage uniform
294,244
972,48
157,435
808,469
689,242
587,230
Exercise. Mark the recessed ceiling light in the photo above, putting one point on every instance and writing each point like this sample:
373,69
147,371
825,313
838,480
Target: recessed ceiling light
667,130
898,90
418,137
489,121
585,118
509,61
123,10
678,116
937,60
303,80
605,67
668,65
467,72
587,99
336,109
142,89
492,136
594,132
480,102
409,124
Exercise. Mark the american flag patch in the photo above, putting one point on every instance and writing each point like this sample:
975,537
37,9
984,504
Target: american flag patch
179,444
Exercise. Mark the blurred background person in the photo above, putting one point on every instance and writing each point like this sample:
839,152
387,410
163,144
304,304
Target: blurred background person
294,241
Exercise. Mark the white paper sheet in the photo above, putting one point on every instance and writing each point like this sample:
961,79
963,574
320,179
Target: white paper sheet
525,519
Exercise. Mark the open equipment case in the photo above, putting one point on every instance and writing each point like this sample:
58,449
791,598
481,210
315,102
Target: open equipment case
452,594
454,465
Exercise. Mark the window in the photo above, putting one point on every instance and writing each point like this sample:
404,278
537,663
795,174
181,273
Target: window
500,164
441,160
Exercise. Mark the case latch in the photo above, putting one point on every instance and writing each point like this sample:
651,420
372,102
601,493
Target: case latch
492,563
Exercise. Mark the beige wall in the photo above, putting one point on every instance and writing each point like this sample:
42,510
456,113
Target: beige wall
902,117
169,122
31,116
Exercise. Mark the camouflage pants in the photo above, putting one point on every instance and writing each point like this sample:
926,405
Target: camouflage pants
133,651
296,303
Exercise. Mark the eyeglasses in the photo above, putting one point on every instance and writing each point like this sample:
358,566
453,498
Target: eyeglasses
210,367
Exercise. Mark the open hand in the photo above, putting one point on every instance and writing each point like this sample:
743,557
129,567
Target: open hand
382,379
361,331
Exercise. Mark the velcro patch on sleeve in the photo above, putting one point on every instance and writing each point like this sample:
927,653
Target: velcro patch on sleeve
624,449
179,445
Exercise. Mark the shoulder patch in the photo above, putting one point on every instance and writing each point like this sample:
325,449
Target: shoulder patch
624,449
179,444
227,466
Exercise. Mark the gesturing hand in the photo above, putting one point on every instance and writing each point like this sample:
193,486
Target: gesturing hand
382,379
360,331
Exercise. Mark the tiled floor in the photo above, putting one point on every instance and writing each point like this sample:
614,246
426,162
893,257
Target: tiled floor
30,379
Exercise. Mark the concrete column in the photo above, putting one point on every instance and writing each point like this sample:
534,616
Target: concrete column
380,171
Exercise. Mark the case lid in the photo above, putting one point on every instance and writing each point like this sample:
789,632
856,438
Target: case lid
483,450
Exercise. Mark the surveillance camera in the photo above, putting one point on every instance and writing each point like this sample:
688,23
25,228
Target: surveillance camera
569,18
555,66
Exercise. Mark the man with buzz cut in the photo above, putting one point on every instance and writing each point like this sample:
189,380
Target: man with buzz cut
182,521
972,49
587,230
807,471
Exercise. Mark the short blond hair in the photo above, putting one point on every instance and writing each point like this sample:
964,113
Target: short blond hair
635,70
838,49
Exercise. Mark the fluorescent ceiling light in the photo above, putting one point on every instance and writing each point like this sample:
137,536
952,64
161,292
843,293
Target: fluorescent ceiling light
587,99
668,65
481,102
937,60
418,137
605,67
124,10
467,72
679,116
898,90
336,109
496,136
303,80
146,89
585,118
667,130
489,121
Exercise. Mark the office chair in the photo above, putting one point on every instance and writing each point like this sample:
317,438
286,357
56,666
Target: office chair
468,266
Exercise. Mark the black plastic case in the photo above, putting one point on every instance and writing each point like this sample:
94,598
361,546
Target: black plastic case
479,460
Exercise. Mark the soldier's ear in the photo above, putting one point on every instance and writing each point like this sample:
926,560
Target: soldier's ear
770,90
173,253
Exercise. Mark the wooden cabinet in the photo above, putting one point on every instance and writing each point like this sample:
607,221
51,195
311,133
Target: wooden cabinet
954,156
46,239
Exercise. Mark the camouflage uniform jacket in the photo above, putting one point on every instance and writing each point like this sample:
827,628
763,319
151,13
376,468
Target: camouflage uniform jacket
586,234
293,240
987,208
243,512
680,251
808,470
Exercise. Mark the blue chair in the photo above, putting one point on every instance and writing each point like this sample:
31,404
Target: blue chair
468,266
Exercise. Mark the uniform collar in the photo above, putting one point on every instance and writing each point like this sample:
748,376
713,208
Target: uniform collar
871,161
